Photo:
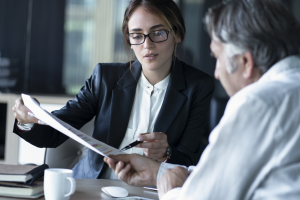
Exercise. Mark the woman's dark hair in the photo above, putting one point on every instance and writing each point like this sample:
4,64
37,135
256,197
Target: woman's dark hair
266,28
166,11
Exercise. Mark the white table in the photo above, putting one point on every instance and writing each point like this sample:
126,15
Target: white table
90,189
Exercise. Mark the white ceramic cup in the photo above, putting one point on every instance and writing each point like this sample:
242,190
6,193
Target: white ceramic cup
59,184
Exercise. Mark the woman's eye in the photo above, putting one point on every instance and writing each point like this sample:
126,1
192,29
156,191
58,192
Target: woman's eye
158,33
136,36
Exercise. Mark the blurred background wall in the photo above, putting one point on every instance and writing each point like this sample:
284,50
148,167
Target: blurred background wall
53,45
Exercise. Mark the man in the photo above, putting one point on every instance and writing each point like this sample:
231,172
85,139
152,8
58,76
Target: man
254,150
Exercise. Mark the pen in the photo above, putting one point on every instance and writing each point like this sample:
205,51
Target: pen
131,145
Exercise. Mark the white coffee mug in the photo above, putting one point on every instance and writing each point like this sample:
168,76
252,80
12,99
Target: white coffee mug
59,184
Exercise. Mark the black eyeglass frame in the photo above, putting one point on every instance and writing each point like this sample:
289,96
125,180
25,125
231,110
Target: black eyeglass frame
148,35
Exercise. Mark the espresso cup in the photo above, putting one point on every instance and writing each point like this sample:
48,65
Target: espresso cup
59,184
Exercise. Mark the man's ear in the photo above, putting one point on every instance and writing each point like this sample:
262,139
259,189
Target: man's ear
248,63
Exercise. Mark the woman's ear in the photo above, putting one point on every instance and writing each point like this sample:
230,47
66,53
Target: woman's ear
178,39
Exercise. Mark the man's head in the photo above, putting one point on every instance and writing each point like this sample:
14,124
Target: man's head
249,37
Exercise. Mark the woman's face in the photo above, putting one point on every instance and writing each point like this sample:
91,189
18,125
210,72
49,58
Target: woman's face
154,57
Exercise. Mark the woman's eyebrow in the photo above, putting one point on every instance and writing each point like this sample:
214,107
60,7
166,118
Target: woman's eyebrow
151,28
135,29
156,26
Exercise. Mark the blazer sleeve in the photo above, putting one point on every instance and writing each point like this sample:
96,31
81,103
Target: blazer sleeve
194,137
76,112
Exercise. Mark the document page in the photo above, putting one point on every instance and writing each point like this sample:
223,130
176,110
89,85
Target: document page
61,126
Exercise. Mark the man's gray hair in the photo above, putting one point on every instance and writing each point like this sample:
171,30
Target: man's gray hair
266,28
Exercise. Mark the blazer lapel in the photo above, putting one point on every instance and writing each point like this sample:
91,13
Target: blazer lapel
173,100
122,102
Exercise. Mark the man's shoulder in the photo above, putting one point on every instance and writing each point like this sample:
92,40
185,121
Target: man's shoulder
280,82
271,93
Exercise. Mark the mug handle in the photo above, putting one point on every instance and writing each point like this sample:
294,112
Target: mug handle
73,186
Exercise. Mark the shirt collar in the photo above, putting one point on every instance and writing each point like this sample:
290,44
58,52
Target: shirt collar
281,66
160,85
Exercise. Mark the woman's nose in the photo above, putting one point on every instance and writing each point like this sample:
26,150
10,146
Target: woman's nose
148,43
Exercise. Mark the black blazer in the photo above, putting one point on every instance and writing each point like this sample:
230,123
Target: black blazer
109,94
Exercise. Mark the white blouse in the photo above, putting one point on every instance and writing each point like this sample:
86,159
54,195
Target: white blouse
146,107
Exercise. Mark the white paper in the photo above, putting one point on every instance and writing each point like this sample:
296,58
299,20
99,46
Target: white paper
61,126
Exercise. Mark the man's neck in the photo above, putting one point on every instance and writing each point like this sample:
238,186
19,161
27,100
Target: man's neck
255,76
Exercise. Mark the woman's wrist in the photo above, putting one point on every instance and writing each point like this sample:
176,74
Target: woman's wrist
167,158
169,153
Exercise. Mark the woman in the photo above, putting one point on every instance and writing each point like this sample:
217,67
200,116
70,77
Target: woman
157,98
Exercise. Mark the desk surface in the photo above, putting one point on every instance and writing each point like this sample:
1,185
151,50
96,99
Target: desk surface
90,189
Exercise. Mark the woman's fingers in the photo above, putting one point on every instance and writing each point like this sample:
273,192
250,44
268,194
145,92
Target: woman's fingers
154,140
154,151
38,121
22,113
155,144
152,136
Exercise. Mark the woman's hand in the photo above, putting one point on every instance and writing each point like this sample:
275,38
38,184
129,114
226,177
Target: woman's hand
155,144
23,114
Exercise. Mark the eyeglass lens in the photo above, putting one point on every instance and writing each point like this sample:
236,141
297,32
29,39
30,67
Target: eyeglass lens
155,36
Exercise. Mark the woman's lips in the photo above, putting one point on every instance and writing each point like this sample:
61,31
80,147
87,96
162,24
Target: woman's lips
150,56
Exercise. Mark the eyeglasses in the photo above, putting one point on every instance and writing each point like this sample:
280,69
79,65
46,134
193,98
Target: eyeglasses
154,36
